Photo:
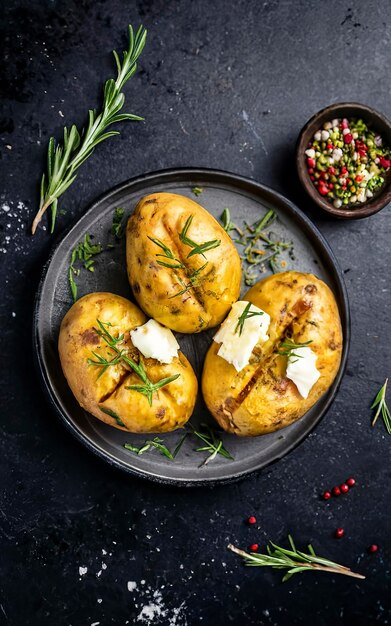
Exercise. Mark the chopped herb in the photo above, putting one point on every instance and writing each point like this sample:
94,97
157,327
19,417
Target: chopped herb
148,388
253,236
116,228
213,444
194,280
112,414
382,408
197,190
244,316
198,248
84,253
64,159
168,254
289,348
293,560
158,445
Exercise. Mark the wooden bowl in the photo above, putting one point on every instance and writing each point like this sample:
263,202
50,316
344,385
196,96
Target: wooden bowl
377,122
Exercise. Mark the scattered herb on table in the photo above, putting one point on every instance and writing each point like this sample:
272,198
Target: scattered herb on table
382,408
118,354
84,253
347,162
293,560
260,247
158,444
212,443
244,316
64,159
197,190
117,227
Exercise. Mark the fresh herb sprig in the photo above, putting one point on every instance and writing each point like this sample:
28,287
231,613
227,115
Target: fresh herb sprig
194,280
293,560
158,444
382,408
148,388
84,252
64,158
198,248
289,346
168,254
117,228
244,316
212,443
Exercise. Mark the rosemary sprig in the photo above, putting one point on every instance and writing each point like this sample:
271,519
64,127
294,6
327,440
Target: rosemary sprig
158,445
84,252
382,408
168,254
289,348
244,316
64,159
148,388
228,225
197,190
198,248
213,444
116,228
293,560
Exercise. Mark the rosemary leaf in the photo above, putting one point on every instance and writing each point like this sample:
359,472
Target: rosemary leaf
113,414
116,227
382,408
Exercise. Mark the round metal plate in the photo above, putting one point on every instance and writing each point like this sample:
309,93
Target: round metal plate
247,200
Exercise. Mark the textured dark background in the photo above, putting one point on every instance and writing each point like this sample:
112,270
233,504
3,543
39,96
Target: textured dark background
227,85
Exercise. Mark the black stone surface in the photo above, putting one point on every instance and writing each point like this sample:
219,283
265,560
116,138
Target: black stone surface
225,85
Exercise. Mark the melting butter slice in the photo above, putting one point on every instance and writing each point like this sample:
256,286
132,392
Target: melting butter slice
236,347
302,370
155,342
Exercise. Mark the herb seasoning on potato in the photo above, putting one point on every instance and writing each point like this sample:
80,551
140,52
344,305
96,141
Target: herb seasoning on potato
289,368
182,266
114,380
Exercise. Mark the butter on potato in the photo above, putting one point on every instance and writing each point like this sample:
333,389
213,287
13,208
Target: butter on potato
105,395
185,290
261,398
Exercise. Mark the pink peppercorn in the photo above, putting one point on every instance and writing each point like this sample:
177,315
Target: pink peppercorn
351,482
252,519
348,138
373,548
344,488
254,547
336,491
339,533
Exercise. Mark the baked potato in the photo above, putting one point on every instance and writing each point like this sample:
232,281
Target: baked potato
183,268
260,398
96,330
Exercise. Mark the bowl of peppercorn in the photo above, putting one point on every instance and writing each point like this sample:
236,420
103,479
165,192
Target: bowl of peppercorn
343,159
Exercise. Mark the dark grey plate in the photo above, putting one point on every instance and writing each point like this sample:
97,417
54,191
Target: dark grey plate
247,200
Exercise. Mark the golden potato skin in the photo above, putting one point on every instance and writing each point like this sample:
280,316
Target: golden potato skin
172,405
162,216
261,399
